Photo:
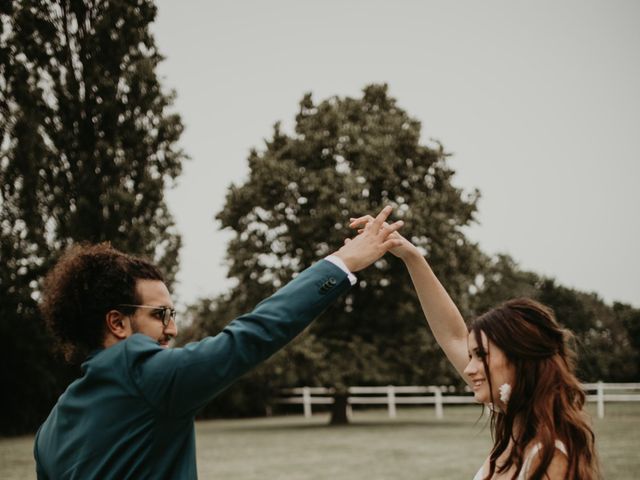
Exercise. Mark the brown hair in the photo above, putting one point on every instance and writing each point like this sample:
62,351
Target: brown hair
547,399
85,283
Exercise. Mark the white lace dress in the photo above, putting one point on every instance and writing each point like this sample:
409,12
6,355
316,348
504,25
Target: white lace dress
524,473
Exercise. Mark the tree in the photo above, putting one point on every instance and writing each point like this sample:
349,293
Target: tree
502,279
88,147
603,344
347,156
630,318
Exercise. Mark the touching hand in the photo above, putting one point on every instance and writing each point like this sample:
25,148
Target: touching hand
403,249
372,243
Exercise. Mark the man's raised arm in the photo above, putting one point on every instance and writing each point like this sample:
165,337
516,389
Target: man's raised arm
181,380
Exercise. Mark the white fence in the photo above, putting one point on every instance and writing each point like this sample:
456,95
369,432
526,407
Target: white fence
438,396
611,392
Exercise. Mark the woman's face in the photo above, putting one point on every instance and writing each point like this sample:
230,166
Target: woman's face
502,370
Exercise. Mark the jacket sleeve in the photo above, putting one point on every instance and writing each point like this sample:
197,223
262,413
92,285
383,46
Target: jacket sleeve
178,381
40,474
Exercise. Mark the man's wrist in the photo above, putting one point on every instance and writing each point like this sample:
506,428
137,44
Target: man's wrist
339,262
342,260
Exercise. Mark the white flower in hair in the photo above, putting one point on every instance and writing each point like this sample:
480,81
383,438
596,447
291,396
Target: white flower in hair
505,392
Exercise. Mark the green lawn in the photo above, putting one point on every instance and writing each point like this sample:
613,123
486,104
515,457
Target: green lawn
412,446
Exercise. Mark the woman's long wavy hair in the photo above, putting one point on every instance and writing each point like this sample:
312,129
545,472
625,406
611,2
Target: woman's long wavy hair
546,401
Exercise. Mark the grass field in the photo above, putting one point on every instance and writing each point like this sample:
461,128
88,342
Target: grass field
413,446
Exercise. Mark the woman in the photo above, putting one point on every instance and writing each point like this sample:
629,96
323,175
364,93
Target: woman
517,360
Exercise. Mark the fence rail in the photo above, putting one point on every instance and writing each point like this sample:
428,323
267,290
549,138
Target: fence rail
393,395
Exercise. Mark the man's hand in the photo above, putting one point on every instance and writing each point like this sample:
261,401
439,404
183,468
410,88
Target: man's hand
404,248
372,243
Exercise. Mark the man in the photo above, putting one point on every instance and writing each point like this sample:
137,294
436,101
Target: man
131,413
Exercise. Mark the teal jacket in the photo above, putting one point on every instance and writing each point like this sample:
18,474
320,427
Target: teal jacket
130,415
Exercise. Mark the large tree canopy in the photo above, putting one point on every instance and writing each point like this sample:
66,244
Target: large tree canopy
348,157
88,147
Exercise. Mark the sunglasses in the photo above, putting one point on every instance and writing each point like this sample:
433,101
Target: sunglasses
165,314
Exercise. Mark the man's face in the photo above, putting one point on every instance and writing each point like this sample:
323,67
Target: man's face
148,321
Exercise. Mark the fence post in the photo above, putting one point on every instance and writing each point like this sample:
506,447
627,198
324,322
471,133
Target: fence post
438,399
600,399
306,402
391,400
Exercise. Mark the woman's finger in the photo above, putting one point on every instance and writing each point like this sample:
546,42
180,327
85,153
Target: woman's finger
360,221
389,229
391,243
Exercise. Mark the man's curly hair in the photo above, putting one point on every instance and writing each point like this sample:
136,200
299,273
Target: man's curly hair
87,282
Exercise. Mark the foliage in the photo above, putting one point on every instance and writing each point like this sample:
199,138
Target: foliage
603,344
630,319
87,149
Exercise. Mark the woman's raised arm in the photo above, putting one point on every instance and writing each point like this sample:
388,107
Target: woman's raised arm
442,315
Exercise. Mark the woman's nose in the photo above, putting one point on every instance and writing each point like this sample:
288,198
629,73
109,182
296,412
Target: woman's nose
470,369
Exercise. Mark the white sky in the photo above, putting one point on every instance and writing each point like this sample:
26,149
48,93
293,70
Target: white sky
538,101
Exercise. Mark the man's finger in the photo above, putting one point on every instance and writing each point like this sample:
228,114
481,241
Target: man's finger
380,219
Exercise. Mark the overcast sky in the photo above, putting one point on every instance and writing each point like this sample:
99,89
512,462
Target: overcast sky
539,103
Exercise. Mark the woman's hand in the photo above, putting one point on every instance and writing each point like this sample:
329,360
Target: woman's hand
403,251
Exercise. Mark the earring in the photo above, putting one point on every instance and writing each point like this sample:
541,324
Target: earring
505,392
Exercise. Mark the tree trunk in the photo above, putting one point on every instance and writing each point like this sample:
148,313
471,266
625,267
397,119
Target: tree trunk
339,415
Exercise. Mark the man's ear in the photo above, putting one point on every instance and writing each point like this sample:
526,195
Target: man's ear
117,325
